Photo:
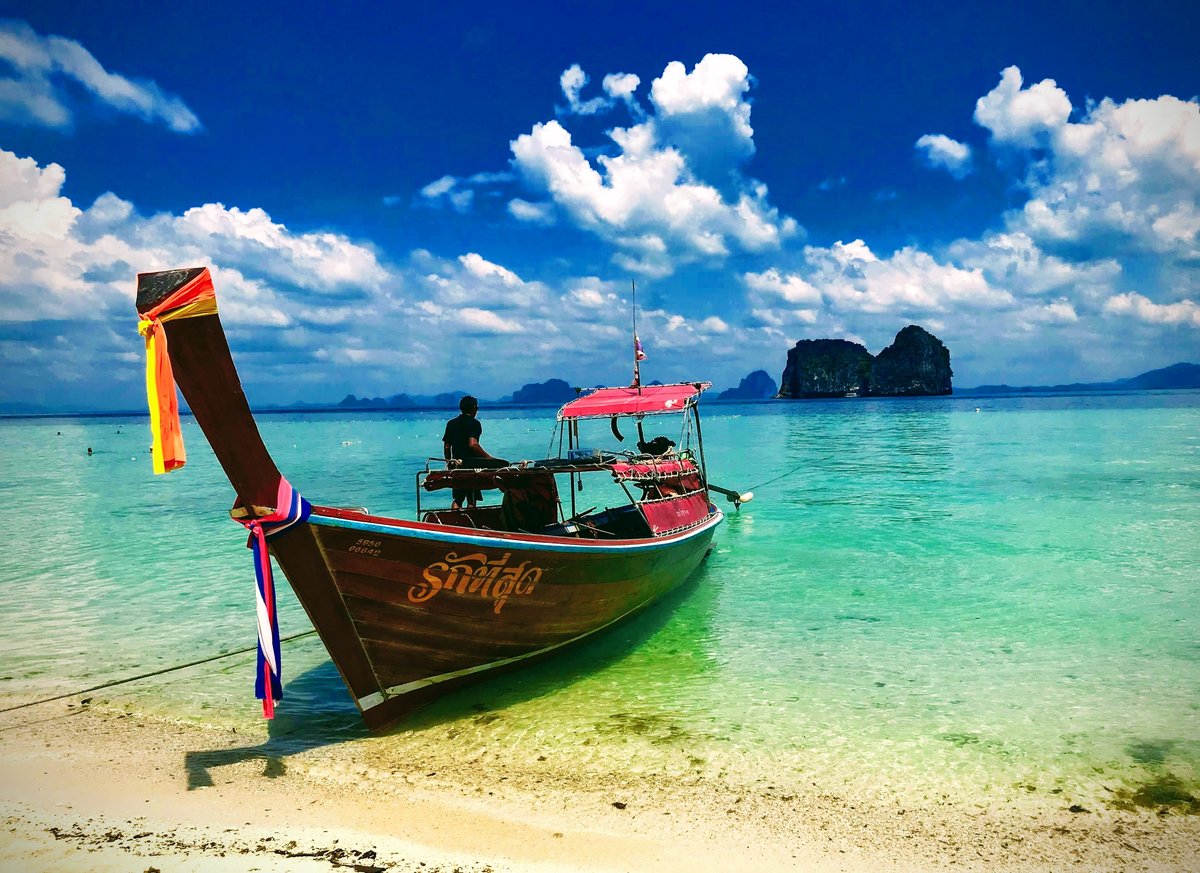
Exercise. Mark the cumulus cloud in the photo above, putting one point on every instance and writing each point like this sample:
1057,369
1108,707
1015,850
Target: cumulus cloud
623,86
618,88
790,288
572,82
472,279
58,260
1142,308
1128,174
1022,116
44,69
939,150
532,213
484,321
1013,260
451,192
852,278
705,114
650,198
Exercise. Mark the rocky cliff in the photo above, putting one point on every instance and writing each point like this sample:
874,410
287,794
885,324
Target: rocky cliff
826,368
916,363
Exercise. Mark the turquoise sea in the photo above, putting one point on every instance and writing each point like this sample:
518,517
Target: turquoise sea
985,597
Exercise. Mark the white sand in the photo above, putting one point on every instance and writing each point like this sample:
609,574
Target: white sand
101,790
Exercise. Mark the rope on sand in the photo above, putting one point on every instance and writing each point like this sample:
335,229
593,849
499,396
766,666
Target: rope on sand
115,682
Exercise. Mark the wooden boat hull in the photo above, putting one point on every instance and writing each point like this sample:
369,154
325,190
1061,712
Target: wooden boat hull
418,609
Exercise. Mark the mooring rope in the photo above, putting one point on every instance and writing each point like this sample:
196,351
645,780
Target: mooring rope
777,478
150,674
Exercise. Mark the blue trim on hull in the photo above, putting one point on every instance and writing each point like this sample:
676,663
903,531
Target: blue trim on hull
463,535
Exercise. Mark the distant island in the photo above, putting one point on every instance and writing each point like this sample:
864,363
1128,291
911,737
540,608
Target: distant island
916,364
1176,376
551,392
400,401
757,386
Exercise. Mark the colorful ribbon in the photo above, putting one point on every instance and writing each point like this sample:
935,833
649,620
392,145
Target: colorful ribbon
195,298
291,509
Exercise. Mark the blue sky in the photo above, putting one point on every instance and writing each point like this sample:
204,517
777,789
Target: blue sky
414,199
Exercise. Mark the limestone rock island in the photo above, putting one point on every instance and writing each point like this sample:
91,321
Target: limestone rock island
916,364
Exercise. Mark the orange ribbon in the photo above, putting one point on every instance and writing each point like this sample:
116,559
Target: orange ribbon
197,297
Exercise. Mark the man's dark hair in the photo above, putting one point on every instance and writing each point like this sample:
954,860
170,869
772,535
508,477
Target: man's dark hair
468,404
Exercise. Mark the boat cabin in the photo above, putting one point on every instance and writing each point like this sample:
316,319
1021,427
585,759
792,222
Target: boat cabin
663,478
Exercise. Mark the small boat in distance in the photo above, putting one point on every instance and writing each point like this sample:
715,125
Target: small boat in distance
409,609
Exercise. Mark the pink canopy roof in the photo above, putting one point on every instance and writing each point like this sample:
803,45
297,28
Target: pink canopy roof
647,400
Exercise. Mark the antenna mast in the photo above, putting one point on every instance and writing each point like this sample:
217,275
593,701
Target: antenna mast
637,345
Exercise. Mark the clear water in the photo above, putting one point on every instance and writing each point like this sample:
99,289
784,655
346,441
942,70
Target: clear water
934,599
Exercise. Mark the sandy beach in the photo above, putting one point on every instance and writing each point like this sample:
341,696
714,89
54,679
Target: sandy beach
90,787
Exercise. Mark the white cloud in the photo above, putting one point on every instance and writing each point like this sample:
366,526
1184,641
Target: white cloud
533,213
792,289
646,190
446,192
1126,177
1014,261
44,68
716,87
58,261
1142,308
475,281
572,81
1022,116
704,114
323,262
619,87
453,192
673,178
852,278
484,269
939,150
438,187
486,322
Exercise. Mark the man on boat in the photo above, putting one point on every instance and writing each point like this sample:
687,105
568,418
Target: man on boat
460,443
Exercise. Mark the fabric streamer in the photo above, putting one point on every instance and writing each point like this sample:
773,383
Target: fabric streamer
194,299
291,509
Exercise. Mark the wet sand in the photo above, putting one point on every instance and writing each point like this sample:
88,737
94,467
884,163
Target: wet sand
101,789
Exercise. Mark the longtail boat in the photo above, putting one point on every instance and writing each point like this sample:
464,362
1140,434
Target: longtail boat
410,609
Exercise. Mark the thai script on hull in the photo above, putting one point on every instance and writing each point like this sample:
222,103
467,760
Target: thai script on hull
475,574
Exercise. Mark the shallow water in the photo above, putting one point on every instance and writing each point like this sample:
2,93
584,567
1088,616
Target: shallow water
931,600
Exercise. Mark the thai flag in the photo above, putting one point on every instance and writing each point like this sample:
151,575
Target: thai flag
638,354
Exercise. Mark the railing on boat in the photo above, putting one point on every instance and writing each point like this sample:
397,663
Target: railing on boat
672,497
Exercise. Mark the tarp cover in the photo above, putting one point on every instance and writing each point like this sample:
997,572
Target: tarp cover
667,515
646,400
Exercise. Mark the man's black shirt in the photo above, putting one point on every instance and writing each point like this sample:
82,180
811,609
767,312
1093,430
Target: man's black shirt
459,432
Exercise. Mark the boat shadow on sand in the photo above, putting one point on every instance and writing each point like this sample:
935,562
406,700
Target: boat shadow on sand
326,716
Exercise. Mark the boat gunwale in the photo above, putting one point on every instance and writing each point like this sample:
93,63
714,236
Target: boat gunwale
332,517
